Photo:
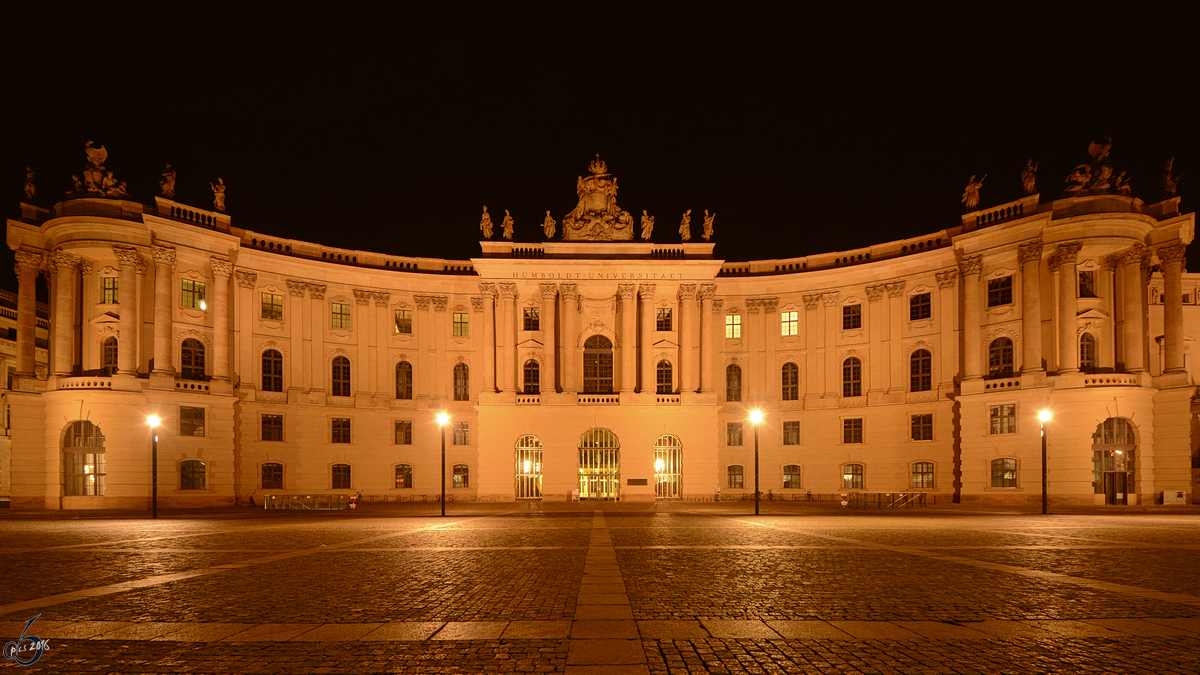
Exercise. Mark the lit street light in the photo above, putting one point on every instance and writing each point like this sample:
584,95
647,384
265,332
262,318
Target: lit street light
154,421
1043,417
756,416
443,419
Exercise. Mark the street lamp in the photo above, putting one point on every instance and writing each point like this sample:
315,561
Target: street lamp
1043,417
756,416
154,421
443,419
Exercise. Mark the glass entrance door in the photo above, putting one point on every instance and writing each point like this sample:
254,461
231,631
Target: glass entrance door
668,468
599,465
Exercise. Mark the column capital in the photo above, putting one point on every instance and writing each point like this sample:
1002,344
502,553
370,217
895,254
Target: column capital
549,291
753,305
895,289
128,256
708,291
487,289
1065,254
508,290
718,305
422,301
812,301
945,279
361,296
830,298
685,292
970,265
1172,253
1111,261
28,261
295,286
646,291
382,298
163,255
221,266
86,266
875,293
249,279
568,291
769,305
1030,252
439,302
627,291
476,304
61,261
1131,256
316,291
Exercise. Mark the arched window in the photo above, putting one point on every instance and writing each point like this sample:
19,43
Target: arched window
1004,473
403,476
668,467
663,371
533,378
734,477
597,365
1087,353
920,370
108,356
272,476
599,464
852,476
191,474
341,376
791,382
272,371
83,460
462,382
852,377
341,476
1114,460
191,360
462,476
791,477
404,383
1000,358
733,383
528,455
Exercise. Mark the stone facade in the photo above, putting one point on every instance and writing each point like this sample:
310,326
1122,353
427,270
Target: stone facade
917,364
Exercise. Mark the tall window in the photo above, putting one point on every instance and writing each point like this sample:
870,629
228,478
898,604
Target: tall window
1004,473
272,427
851,317
733,383
921,427
1087,284
852,476
403,476
404,381
663,373
852,430
462,476
1000,291
272,370
341,376
191,360
340,315
191,421
920,371
462,382
791,432
922,475
341,476
919,307
460,324
1004,419
403,432
272,476
791,476
532,378
662,320
1000,358
109,290
83,460
108,357
789,323
852,377
341,430
272,307
598,365
192,294
462,433
403,322
191,474
791,382
532,319
734,476
733,326
1087,353
733,433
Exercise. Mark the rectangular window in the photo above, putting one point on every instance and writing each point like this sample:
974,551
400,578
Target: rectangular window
1004,419
734,477
1087,284
733,433
272,307
403,432
663,319
922,427
272,427
341,476
1004,473
1000,292
193,294
791,477
341,315
110,290
460,324
791,433
462,476
922,475
851,317
191,421
852,477
852,430
403,322
733,326
272,476
789,323
533,318
341,430
462,433
403,476
919,307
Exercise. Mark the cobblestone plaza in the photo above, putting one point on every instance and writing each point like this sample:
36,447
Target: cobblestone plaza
608,588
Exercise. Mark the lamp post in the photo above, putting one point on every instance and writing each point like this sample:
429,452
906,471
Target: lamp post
1043,417
443,419
756,417
154,421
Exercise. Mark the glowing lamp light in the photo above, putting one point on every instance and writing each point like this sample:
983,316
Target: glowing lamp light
203,305
756,416
443,419
527,466
658,465
1044,416
154,421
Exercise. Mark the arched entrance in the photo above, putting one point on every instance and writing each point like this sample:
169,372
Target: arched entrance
599,465
1114,452
668,468
529,467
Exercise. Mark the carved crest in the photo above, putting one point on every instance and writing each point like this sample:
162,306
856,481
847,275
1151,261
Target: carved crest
597,217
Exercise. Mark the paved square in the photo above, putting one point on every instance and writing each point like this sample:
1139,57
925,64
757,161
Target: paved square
606,588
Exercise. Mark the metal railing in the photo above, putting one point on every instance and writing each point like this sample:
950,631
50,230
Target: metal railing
306,502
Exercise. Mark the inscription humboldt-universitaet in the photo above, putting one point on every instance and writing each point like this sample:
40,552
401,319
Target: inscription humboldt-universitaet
597,275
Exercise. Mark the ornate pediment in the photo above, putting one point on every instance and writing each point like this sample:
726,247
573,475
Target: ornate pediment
597,217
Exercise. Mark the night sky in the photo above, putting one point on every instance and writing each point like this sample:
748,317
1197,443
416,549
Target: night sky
388,129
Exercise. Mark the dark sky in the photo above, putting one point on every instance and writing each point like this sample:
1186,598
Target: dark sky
387,129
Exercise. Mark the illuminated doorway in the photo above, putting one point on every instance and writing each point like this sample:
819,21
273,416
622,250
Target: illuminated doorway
1114,453
668,468
599,465
529,467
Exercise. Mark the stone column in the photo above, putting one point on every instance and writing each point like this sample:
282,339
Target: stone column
813,335
130,262
319,369
947,309
875,327
64,268
89,295
1030,257
164,329
385,378
549,337
1063,261
833,367
28,264
222,269
627,297
707,294
1172,258
245,363
299,354
754,379
490,330
423,368
443,385
570,354
364,379
772,333
687,337
646,291
508,311
1108,298
897,366
970,267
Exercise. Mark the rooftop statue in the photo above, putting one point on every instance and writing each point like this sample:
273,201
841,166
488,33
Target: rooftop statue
166,186
971,194
548,226
218,195
1079,179
597,217
708,225
685,226
93,173
1029,177
485,223
647,225
1169,184
1094,177
1121,185
78,186
507,225
112,186
30,188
